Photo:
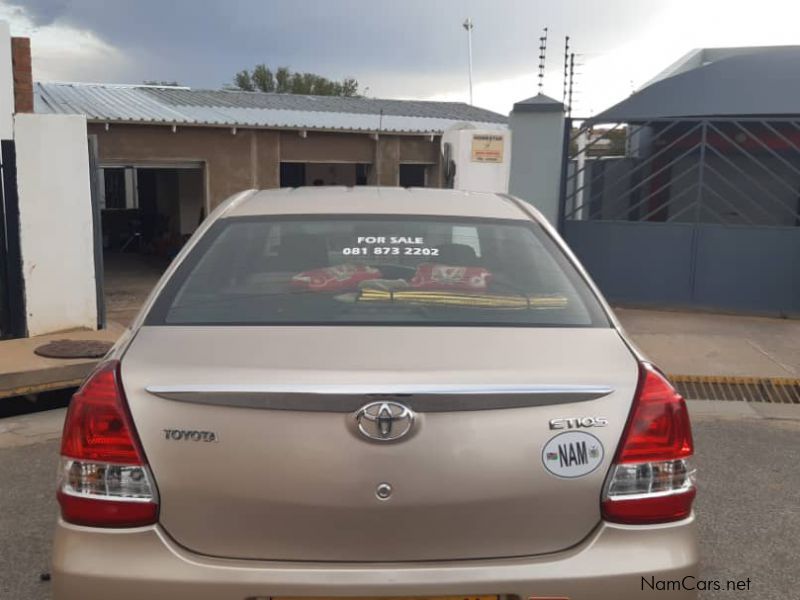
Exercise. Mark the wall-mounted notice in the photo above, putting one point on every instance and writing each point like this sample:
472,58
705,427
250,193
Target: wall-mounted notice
487,148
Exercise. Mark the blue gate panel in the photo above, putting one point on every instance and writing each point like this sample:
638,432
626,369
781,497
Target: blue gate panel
749,268
635,262
688,213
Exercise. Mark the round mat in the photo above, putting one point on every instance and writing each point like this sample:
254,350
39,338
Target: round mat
74,349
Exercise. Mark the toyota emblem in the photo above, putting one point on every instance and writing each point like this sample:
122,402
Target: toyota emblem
384,421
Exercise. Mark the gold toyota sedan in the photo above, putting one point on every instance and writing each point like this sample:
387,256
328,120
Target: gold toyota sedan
375,393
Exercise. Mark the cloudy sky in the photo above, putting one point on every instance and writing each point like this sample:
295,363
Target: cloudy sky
395,48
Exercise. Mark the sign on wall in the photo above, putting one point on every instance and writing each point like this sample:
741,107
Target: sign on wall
487,148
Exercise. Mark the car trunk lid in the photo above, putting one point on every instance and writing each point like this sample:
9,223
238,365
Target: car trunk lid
251,436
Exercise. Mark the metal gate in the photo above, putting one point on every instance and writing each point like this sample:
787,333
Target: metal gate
97,228
698,213
12,304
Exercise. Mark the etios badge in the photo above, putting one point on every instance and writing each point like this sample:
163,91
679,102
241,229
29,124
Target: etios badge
384,421
572,454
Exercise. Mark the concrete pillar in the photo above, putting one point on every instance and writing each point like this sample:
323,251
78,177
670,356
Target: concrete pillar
268,151
386,164
56,228
537,140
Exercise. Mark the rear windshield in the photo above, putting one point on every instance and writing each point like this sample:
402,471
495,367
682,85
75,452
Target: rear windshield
387,270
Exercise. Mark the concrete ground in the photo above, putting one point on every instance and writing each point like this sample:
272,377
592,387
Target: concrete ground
128,279
24,372
696,343
748,506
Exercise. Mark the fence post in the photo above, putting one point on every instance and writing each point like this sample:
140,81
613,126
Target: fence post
97,226
17,321
562,193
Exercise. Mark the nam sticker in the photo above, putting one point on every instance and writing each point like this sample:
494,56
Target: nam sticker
572,454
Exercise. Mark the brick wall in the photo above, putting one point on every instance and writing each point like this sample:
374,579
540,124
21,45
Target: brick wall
23,74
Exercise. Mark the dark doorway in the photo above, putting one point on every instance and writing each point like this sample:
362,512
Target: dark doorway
148,213
317,173
150,210
362,174
149,219
293,174
412,175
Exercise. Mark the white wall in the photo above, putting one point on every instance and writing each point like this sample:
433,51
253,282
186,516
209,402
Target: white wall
6,84
56,232
478,176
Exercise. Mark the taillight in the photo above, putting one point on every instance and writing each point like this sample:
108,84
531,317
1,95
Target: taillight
104,480
652,479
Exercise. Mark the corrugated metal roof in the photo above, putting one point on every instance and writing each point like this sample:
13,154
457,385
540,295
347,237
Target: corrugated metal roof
184,106
733,82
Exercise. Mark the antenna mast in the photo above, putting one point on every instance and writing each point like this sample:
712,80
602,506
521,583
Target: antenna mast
469,26
542,57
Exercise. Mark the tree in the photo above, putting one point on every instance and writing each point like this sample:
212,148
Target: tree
243,81
263,79
282,76
349,87
285,81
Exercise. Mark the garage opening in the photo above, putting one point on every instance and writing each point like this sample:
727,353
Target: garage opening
413,175
147,215
299,174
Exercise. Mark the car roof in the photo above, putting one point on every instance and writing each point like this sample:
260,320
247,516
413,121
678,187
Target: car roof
370,200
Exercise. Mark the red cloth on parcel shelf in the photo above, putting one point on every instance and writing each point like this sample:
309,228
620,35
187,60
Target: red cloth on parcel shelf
331,279
434,276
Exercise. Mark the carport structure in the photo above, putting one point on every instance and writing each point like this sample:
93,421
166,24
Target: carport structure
688,192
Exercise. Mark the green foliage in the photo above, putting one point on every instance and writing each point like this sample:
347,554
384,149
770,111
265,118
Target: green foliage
243,81
263,79
282,77
285,81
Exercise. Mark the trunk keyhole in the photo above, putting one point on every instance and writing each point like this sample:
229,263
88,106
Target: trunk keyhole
383,491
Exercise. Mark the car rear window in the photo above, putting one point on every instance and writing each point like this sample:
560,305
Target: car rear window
336,270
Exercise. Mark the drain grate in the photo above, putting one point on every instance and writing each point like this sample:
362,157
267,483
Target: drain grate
743,389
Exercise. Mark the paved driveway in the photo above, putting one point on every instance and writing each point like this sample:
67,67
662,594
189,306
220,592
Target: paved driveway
748,507
696,343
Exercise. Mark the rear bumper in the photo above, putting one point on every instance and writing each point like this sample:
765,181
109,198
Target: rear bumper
93,564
